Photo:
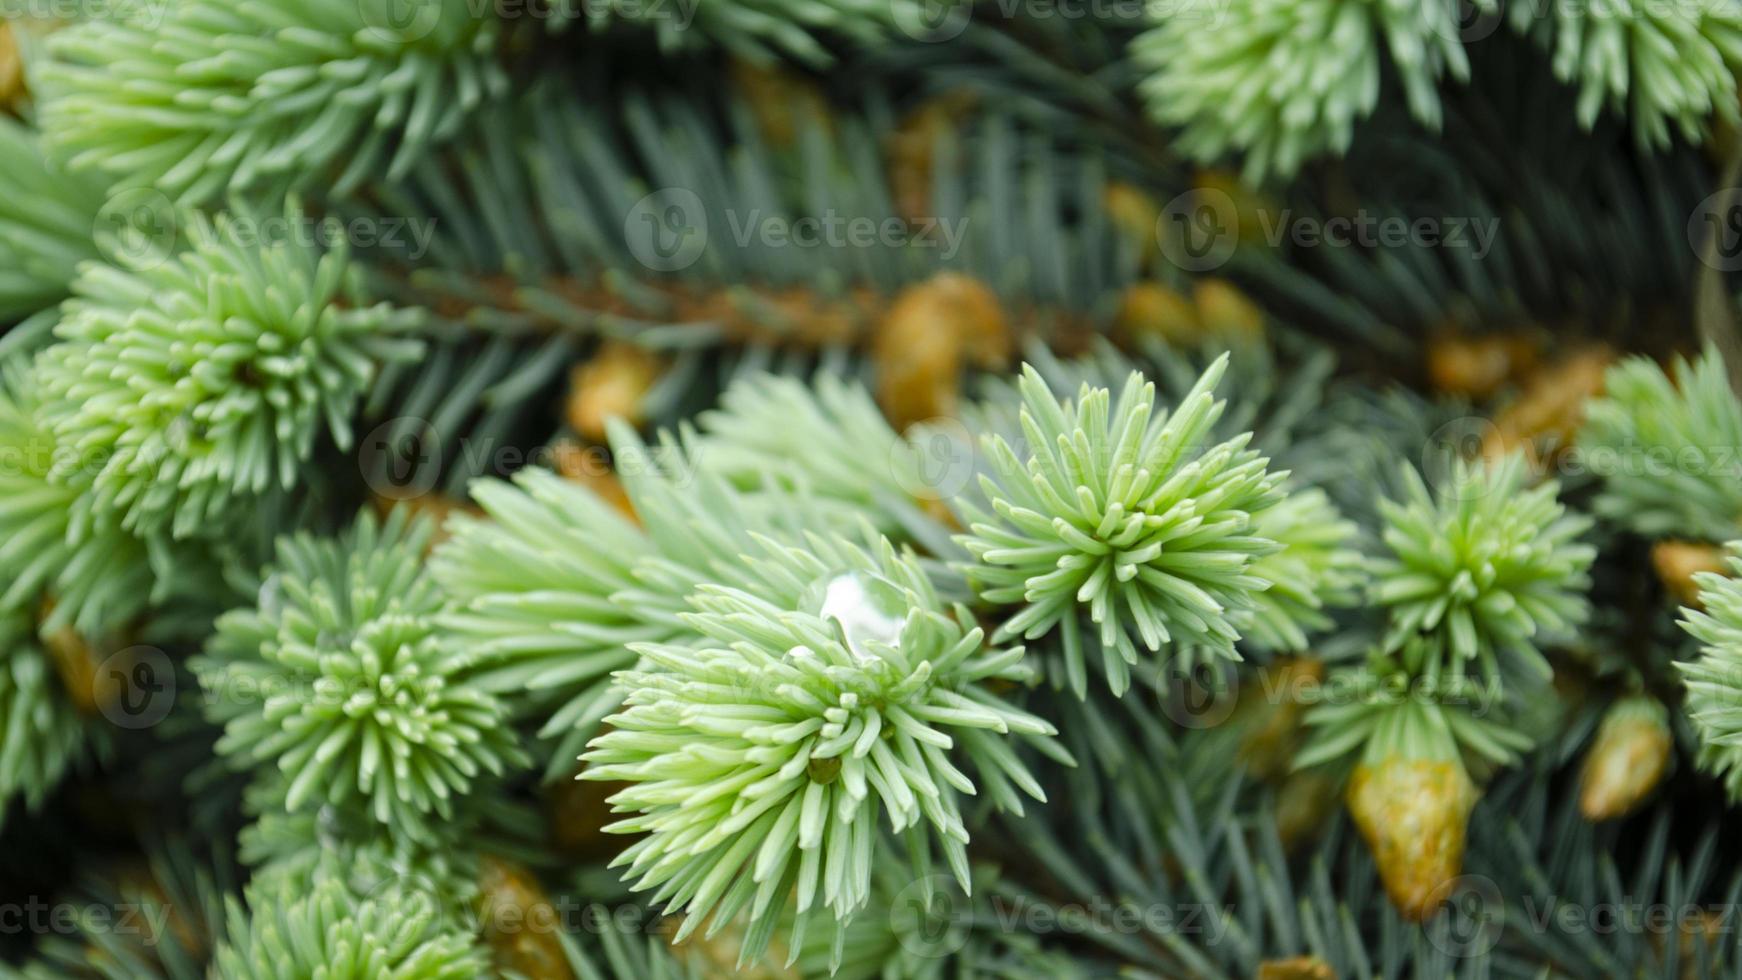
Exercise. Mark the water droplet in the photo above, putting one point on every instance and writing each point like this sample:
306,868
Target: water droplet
868,608
271,598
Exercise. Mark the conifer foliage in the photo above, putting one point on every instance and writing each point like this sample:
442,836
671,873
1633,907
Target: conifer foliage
568,490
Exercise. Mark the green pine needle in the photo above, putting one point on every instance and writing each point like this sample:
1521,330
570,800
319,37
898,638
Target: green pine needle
303,849
1113,510
829,439
1284,81
329,932
1665,445
553,590
1315,569
1667,67
42,734
825,700
1482,567
48,224
532,589
338,685
184,389
51,546
266,94
1714,680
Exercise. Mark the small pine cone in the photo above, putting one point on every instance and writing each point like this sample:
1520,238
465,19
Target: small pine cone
1149,309
1133,213
782,102
1296,968
715,956
1254,212
1216,311
926,338
138,882
577,810
1677,562
1304,804
11,69
590,466
1413,814
1548,413
437,507
910,151
1267,747
76,660
1225,312
1713,929
1627,759
520,924
76,663
612,383
798,316
1477,366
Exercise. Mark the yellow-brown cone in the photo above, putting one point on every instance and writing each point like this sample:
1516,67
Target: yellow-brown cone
137,880
929,334
1550,409
716,956
910,151
1226,312
11,68
1677,562
1267,747
1304,804
1296,968
434,506
612,384
520,925
77,659
1133,213
1150,309
590,466
782,102
1477,366
1626,761
1255,213
1413,814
